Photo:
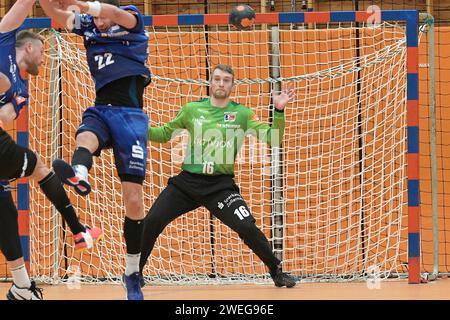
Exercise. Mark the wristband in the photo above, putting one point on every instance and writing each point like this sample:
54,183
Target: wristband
95,8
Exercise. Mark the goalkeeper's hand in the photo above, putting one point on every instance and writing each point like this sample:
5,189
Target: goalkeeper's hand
280,100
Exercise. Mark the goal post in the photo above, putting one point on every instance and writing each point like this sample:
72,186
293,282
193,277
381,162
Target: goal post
344,184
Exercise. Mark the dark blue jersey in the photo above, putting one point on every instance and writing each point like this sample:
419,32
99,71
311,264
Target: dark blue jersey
9,67
117,53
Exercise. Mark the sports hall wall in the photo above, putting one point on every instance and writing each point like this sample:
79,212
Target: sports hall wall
441,11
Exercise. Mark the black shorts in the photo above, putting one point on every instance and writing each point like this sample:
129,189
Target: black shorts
201,187
15,161
128,91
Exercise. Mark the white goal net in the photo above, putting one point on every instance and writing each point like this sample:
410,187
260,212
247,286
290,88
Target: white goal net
332,200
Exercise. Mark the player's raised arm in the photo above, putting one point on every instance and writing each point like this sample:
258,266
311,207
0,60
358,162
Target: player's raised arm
16,15
280,100
5,84
100,9
58,12
268,133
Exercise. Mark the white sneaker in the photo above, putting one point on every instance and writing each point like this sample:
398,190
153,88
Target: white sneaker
31,293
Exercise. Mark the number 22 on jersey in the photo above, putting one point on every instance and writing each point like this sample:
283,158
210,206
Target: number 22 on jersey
104,60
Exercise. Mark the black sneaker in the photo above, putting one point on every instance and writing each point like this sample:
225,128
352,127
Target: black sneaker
31,293
71,177
282,279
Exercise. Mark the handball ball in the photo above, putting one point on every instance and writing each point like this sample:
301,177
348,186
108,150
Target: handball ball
242,17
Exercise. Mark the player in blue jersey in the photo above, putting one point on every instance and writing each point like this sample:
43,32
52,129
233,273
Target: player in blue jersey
116,50
23,51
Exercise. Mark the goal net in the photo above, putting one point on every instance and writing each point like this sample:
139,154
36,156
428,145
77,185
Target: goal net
332,200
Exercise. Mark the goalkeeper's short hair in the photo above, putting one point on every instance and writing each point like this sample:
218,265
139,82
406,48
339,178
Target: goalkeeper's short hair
224,67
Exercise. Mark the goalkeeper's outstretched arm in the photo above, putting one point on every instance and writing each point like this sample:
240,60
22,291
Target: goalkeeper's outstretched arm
273,135
164,133
16,15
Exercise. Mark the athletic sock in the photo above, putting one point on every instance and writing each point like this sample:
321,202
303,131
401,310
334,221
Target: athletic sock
20,276
53,189
132,231
83,157
132,263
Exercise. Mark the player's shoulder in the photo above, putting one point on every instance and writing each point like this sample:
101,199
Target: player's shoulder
6,34
8,38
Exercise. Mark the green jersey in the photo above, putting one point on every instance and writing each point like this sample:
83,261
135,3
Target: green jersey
216,134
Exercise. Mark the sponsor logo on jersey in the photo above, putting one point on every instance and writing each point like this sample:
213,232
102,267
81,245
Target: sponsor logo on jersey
137,151
200,120
229,116
228,126
12,68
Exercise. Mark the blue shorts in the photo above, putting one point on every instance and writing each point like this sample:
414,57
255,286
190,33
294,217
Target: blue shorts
125,131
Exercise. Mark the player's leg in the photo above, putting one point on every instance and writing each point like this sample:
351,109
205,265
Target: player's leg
128,129
170,204
230,208
140,235
10,246
132,227
51,185
20,162
92,136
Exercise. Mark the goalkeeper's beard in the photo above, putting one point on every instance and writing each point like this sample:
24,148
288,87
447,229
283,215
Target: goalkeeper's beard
221,94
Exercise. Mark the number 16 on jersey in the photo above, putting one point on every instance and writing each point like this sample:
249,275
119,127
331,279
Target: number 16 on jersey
208,167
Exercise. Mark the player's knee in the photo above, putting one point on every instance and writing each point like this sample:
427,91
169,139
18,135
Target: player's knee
40,170
87,140
134,206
